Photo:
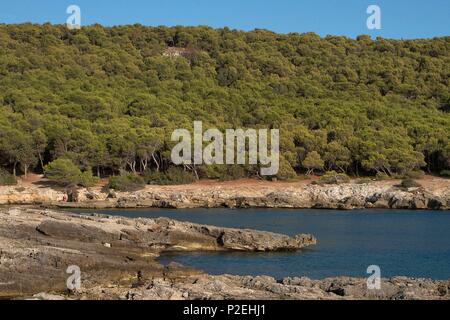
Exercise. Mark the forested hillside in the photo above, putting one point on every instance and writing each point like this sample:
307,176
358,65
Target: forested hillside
109,98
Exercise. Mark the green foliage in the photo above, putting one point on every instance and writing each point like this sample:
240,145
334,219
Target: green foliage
63,171
173,176
66,173
416,174
313,161
126,182
109,98
234,172
332,177
87,179
285,172
380,176
6,179
364,181
223,172
445,173
409,183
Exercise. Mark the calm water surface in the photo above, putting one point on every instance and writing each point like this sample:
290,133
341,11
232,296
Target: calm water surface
408,243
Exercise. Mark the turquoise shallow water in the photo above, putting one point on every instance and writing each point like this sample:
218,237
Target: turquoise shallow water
406,243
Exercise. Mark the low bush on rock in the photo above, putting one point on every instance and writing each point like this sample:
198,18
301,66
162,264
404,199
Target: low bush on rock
380,176
409,183
415,174
364,181
332,177
7,179
223,172
285,171
445,173
66,173
126,182
173,176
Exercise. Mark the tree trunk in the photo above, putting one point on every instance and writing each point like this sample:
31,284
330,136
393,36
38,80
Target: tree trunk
144,164
389,171
132,165
192,167
156,162
196,174
42,162
428,162
14,169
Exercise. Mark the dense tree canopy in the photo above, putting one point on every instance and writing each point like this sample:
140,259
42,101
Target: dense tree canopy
109,98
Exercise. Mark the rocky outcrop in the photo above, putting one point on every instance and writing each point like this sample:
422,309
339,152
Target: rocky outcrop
264,287
30,195
117,260
228,287
37,246
380,195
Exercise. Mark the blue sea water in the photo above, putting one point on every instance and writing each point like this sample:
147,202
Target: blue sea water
400,242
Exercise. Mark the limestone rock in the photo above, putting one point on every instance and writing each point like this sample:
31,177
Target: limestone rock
344,196
37,247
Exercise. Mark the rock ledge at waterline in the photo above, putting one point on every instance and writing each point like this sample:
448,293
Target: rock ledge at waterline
117,258
37,246
382,195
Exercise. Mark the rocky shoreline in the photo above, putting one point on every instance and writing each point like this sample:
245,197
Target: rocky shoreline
37,246
379,195
117,257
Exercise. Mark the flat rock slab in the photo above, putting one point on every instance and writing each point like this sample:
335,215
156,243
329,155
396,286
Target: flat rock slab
117,260
37,247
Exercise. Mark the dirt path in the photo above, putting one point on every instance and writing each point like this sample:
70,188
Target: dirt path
427,181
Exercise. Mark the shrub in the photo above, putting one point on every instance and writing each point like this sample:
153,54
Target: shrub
63,171
364,181
380,176
154,177
332,177
445,173
212,171
87,179
416,174
312,162
126,181
7,179
223,172
234,172
285,172
173,176
66,173
409,183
